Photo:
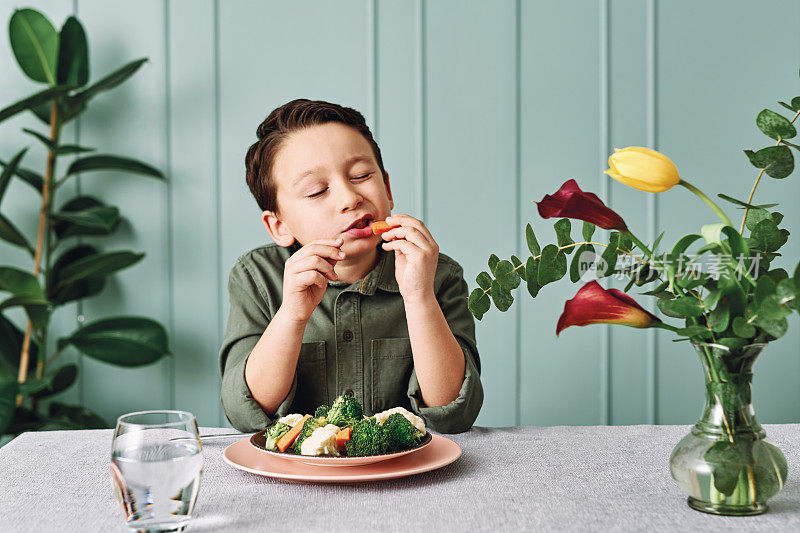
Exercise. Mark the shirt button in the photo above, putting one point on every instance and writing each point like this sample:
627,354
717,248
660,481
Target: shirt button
347,335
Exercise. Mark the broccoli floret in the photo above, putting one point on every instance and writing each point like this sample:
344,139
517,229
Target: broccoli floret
308,428
345,411
367,438
275,432
400,433
321,411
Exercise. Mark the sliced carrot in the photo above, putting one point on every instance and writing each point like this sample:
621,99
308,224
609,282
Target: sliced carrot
343,436
381,226
287,440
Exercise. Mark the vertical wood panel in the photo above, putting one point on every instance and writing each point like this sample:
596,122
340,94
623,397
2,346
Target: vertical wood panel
130,121
560,140
630,394
470,161
709,93
193,218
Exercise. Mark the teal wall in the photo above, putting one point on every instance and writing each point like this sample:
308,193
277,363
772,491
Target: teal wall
479,108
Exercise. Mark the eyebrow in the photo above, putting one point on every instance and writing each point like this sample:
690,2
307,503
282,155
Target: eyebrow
348,163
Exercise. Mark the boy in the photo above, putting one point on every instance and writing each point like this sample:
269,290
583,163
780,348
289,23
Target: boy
331,308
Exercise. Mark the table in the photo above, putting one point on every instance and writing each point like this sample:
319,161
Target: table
579,478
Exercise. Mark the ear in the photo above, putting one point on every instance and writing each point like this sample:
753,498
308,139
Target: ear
277,228
388,190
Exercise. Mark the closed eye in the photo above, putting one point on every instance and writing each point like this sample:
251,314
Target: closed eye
365,176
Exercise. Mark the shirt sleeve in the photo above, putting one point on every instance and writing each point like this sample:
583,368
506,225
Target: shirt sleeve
460,414
247,320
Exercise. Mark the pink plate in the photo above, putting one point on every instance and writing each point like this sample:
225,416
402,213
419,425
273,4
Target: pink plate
259,439
440,452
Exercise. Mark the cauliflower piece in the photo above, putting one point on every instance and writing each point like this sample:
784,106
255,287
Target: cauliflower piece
322,441
291,420
416,421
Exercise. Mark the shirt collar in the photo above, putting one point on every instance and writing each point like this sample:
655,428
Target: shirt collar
380,277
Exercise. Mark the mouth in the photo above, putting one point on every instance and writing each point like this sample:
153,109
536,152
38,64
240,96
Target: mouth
360,223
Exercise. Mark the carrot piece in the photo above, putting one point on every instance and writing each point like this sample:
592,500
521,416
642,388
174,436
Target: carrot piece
343,436
287,440
381,226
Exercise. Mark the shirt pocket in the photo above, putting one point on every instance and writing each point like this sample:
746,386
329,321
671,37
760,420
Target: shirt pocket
392,364
312,382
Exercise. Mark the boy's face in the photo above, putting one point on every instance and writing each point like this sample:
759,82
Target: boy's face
327,179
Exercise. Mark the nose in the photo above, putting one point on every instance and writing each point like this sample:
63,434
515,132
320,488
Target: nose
347,197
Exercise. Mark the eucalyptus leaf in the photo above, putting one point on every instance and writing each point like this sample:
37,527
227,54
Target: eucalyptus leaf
506,275
719,318
767,237
552,265
502,298
493,261
530,239
587,231
610,254
682,307
695,330
777,161
484,280
478,303
774,125
754,216
34,42
123,341
517,264
742,329
532,276
563,228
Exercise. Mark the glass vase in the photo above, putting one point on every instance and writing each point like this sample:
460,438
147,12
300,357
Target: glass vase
726,464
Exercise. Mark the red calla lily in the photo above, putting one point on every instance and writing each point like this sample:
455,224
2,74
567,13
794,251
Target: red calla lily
595,305
571,202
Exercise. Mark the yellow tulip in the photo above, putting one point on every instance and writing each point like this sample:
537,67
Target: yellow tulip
643,169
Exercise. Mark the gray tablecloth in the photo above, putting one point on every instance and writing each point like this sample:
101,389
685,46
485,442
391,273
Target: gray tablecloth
526,478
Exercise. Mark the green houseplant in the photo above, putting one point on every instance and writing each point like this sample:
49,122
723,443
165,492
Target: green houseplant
729,299
64,268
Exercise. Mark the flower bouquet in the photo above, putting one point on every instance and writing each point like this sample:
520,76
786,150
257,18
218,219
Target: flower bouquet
727,298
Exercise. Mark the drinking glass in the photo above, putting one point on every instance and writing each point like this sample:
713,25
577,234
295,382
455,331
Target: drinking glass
156,464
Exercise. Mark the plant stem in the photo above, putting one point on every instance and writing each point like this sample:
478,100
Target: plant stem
37,259
758,179
708,201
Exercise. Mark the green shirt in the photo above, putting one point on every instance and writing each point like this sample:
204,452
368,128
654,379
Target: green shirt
355,340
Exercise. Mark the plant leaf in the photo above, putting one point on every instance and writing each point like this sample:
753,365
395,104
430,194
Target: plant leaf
532,276
124,341
43,97
517,264
682,307
35,44
552,265
530,239
478,303
59,381
740,203
9,170
610,254
587,231
767,237
484,280
775,125
8,392
101,264
11,347
78,102
28,176
742,329
84,288
502,298
73,54
563,229
506,275
493,261
111,162
777,161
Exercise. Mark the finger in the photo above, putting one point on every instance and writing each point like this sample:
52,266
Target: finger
326,251
310,278
403,246
315,262
410,234
409,221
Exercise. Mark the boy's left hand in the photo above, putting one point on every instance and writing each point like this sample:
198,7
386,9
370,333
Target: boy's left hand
416,256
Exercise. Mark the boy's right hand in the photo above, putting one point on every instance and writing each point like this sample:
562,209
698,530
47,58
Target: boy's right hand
306,275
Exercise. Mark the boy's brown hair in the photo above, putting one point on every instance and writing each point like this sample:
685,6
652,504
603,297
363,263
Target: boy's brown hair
286,119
